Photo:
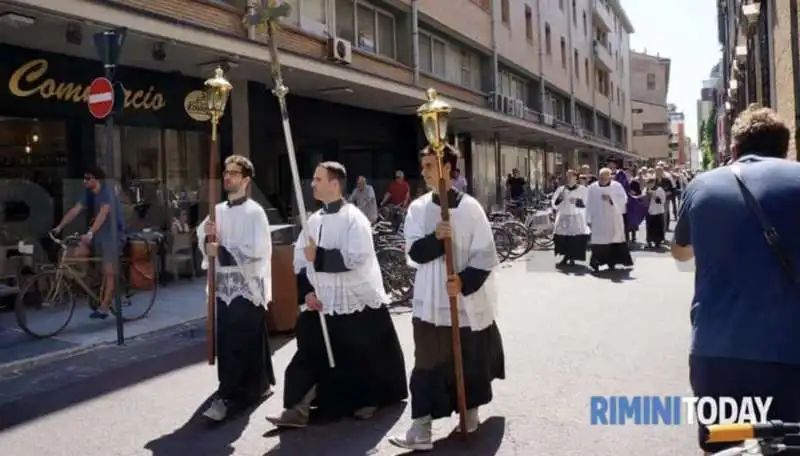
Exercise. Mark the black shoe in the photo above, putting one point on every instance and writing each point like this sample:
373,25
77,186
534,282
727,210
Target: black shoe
97,315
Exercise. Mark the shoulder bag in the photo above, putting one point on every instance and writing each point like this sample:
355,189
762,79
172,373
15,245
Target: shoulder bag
770,234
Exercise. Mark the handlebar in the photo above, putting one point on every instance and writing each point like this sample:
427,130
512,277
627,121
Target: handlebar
722,433
67,241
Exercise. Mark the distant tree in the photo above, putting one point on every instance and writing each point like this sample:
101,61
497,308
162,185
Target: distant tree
708,128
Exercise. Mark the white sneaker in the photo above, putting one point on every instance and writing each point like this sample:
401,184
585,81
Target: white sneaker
419,436
217,411
473,421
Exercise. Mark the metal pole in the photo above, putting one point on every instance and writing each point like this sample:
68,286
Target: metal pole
109,73
213,195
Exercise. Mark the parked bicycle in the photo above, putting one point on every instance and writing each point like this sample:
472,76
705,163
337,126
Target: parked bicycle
398,276
47,301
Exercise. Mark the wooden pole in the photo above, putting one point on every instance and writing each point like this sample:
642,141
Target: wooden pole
211,321
458,362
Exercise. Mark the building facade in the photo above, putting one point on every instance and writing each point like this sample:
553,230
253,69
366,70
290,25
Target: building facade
650,117
538,85
677,139
761,60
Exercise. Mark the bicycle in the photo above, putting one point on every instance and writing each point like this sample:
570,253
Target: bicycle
759,439
62,281
398,276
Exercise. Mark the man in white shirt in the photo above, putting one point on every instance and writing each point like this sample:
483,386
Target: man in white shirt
459,182
364,198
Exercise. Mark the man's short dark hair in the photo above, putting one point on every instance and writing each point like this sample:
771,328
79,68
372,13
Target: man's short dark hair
450,155
759,131
243,163
336,171
96,172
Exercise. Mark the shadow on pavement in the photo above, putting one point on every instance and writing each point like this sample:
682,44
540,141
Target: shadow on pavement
344,437
200,437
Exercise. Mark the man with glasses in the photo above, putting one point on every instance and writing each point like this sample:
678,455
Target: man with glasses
103,232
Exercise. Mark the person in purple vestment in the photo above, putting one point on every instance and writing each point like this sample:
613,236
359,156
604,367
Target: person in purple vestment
618,175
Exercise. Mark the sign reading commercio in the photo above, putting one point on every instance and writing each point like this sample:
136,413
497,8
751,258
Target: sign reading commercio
31,79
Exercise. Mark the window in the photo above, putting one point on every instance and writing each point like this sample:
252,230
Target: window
528,23
314,10
513,87
574,14
611,91
651,81
505,12
561,5
586,72
577,65
585,28
617,95
367,28
466,69
563,53
548,44
432,55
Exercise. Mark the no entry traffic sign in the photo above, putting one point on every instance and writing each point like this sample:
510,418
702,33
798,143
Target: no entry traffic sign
101,98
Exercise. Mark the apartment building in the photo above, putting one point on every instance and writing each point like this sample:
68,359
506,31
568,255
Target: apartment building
538,85
761,59
650,116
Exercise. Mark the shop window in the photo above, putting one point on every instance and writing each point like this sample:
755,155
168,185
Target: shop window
34,151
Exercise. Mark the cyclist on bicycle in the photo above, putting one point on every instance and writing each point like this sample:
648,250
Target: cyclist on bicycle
99,240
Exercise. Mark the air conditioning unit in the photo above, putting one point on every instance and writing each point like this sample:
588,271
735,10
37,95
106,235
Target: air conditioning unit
548,119
510,107
499,103
340,50
519,108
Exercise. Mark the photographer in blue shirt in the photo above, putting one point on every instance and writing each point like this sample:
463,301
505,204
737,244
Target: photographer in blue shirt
99,240
745,313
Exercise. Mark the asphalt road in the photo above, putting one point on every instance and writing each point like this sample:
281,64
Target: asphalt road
567,337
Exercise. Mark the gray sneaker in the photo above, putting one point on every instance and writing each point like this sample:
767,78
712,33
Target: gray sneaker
291,418
217,410
419,437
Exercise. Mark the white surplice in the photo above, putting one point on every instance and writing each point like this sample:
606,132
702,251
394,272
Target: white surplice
473,245
242,229
349,231
570,219
656,208
605,216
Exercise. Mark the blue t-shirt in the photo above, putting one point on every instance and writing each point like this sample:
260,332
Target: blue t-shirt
97,200
744,306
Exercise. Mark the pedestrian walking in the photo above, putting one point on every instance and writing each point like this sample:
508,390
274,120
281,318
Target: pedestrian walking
571,234
606,202
657,199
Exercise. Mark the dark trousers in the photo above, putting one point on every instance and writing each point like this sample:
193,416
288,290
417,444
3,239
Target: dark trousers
737,378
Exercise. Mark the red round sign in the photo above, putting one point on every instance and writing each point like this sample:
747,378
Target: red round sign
101,98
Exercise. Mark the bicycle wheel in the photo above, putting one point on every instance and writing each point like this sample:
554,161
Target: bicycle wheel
398,277
521,243
502,243
543,239
45,304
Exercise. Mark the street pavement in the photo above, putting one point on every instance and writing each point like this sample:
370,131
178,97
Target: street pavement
567,336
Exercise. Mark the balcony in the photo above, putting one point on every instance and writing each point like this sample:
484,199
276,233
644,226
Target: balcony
602,16
603,57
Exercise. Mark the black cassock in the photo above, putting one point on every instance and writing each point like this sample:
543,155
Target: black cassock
370,368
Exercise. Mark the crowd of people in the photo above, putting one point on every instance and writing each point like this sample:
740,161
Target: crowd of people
604,213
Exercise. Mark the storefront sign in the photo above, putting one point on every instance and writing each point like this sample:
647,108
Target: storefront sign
31,79
196,106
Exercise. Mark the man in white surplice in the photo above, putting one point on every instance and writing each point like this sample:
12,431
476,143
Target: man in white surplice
241,245
433,392
338,275
607,200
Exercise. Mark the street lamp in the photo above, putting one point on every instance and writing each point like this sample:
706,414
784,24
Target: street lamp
435,115
217,91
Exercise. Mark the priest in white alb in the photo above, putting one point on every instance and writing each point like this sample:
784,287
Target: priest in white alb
241,245
571,234
607,200
433,387
338,276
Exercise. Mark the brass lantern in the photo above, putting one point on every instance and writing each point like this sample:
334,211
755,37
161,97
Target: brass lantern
435,115
217,91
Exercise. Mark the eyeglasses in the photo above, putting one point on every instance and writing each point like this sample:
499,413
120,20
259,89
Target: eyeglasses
230,172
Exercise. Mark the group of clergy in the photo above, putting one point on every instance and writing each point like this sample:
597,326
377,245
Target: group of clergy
603,214
349,360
